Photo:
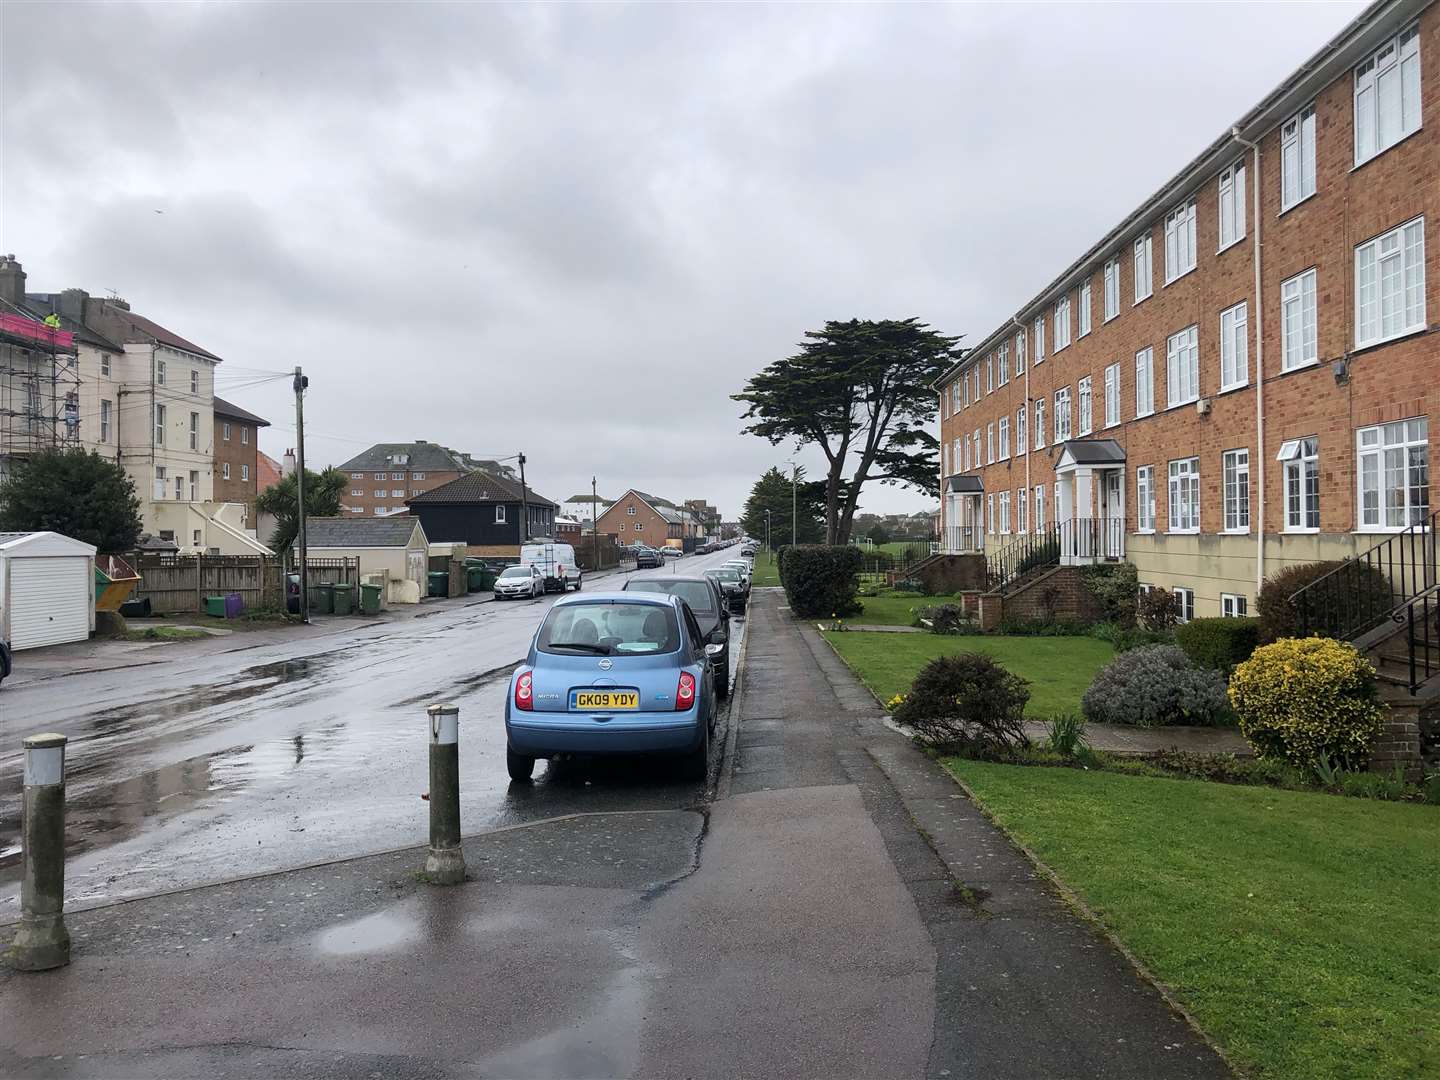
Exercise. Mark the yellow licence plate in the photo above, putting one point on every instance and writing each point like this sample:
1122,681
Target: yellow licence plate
585,700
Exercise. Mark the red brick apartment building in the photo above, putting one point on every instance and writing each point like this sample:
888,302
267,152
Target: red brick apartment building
1241,374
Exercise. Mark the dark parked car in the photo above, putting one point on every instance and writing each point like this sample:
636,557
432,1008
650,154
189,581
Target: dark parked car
733,585
647,557
711,611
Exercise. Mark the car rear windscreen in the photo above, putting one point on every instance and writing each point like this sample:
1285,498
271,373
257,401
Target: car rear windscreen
695,593
609,628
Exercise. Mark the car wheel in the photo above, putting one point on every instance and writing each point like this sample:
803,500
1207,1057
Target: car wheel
520,767
578,582
697,762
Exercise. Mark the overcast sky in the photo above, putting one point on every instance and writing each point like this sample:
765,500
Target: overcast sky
576,230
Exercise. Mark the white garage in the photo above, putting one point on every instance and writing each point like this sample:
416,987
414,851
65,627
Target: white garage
47,589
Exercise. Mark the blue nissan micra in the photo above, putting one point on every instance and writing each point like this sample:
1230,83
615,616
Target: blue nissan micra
613,673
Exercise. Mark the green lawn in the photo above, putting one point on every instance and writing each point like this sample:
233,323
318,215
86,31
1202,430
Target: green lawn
1298,928
1060,669
765,571
894,610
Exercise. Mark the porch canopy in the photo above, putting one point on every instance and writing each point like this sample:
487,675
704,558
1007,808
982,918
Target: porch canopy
965,485
1089,454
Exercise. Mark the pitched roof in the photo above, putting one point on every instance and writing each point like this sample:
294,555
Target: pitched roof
359,532
224,408
150,329
585,498
267,471
42,304
421,455
480,487
1091,452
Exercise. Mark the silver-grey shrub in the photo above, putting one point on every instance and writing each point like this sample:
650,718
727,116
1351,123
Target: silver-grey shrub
1153,686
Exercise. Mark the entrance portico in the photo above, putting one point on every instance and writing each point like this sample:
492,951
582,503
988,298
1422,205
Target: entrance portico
964,515
1090,501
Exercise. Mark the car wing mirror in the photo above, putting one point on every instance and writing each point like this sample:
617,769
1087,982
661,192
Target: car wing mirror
714,649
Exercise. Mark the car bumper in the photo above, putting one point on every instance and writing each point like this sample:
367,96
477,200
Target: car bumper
570,733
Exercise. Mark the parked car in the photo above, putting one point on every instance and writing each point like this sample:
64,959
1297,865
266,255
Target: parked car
519,581
613,673
556,563
711,611
647,557
742,565
668,552
749,549
5,661
733,586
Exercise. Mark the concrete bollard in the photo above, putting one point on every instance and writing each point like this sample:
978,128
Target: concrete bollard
445,864
43,942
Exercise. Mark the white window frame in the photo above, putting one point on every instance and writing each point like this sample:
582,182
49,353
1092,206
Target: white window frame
1062,322
1112,396
1111,287
1063,410
990,374
244,435
1235,347
1004,433
500,515
1145,382
1020,350
159,424
1231,206
161,484
1038,337
1183,504
194,431
104,363
1004,353
105,407
1022,510
1039,423
378,493
357,493
1143,259
1297,158
1299,321
1408,258
244,472
159,372
1180,241
1145,499
397,493
225,432
990,514
990,443
194,381
225,470
1022,431
1182,367
630,510
1085,395
960,394
1039,508
1377,449
417,476
1233,606
975,371
1186,599
357,476
1235,491
965,453
1084,302
1398,60
1300,480
1004,513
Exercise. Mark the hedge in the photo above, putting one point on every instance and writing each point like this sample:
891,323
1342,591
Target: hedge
1369,593
821,581
1218,644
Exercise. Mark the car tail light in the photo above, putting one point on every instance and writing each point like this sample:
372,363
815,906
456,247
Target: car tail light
685,692
525,692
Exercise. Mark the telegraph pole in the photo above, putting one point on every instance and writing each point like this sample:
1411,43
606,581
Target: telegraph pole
300,383
595,521
524,504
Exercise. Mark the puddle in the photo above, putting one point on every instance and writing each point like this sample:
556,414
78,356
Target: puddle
379,932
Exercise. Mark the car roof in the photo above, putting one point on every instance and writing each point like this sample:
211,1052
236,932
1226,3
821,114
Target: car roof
668,580
658,599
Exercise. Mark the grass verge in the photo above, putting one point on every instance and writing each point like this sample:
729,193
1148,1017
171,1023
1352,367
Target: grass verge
1059,669
165,633
766,570
1297,928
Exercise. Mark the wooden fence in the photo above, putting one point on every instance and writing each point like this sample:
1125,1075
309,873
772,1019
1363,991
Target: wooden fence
178,584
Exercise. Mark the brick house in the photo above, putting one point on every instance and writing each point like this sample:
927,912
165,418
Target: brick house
1239,376
237,455
637,517
384,477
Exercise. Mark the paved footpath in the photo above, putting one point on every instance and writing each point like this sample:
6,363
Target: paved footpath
838,910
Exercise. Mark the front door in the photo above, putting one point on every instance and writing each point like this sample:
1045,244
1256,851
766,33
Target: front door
1113,516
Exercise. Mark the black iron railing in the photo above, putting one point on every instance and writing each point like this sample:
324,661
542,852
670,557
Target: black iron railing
1396,580
1422,637
1027,552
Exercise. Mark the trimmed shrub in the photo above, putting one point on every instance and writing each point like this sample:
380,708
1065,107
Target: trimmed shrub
1310,701
945,618
1219,644
966,703
1157,610
1115,587
1154,686
1126,638
821,581
1279,618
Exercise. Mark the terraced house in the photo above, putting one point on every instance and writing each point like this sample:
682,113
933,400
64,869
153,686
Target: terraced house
1242,373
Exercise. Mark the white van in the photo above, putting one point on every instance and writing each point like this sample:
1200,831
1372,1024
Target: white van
555,561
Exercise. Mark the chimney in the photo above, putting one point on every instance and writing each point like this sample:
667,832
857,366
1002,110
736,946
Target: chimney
12,281
73,305
287,463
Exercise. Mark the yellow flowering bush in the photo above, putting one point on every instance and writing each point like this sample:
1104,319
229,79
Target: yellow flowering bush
895,702
1308,700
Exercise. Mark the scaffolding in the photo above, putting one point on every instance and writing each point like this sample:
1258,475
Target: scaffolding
39,389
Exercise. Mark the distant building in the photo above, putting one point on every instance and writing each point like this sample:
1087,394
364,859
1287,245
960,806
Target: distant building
484,510
237,456
384,477
639,517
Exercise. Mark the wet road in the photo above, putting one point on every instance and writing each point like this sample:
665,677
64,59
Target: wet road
288,753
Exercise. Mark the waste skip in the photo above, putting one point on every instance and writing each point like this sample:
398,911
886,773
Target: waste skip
215,606
439,583
344,599
369,599
322,598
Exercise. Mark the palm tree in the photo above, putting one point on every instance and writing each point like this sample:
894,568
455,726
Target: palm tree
322,499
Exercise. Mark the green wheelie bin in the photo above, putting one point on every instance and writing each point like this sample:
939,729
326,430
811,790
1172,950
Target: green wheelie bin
344,598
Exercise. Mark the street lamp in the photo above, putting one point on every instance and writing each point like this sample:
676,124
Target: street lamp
768,548
794,501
